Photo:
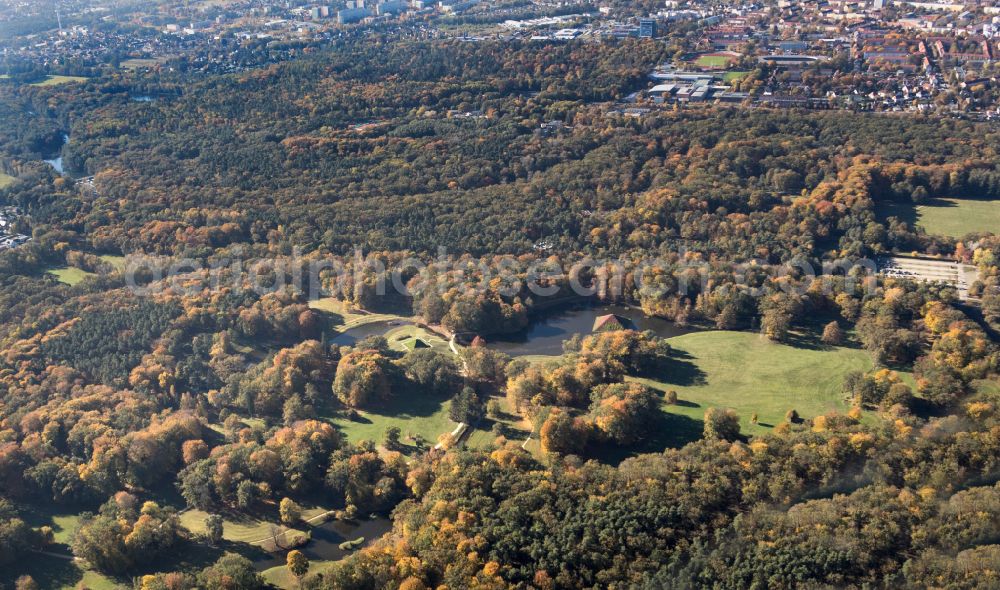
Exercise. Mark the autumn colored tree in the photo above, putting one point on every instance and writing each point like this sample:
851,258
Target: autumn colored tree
721,424
231,571
561,433
194,450
832,334
297,564
289,511
363,379
624,412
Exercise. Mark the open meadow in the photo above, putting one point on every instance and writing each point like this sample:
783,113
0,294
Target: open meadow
949,217
57,80
746,372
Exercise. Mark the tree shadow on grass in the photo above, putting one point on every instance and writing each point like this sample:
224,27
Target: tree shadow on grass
505,416
410,405
410,448
669,431
680,370
805,340
191,556
683,403
47,571
358,418
807,333
194,555
508,429
903,211
925,410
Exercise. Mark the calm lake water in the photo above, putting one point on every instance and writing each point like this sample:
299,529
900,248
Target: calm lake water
57,162
546,334
326,540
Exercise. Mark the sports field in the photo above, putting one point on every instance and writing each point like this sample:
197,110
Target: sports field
713,61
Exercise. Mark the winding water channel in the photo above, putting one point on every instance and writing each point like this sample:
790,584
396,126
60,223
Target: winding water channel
326,540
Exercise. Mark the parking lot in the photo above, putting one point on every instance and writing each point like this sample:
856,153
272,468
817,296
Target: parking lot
953,273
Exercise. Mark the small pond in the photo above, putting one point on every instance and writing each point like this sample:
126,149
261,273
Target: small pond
57,161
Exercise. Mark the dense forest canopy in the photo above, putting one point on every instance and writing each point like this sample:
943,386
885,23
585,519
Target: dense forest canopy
232,401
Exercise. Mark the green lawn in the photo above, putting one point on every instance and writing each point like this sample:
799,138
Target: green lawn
69,274
738,370
538,359
730,76
747,373
58,574
515,428
64,527
412,414
350,317
64,524
95,581
118,262
249,530
56,80
6,180
948,217
330,305
282,578
136,63
404,339
51,571
988,388
713,61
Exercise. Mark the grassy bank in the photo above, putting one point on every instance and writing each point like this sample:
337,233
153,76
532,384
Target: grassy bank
246,529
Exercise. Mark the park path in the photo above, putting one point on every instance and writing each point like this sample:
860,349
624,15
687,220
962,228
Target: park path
454,349
307,521
465,370
462,426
